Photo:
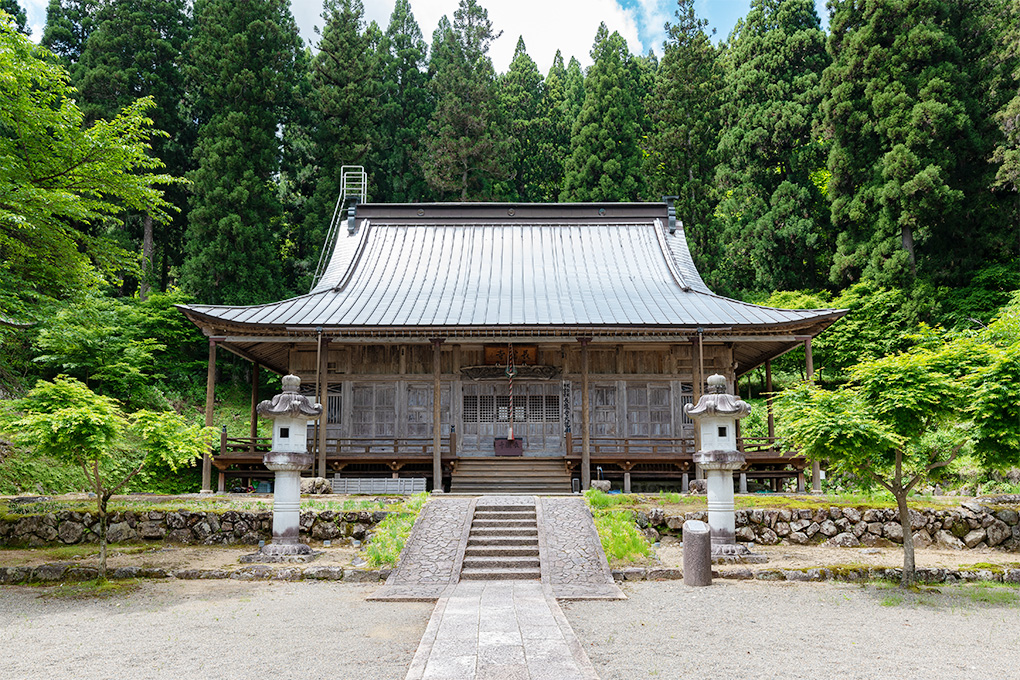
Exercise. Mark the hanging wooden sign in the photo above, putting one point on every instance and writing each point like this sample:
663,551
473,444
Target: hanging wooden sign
496,355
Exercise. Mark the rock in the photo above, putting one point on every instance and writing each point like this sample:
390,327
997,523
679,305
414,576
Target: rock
812,529
843,540
1011,576
698,486
973,538
875,528
324,573
872,515
783,529
873,541
124,572
201,530
737,574
860,529
656,517
118,532
70,532
663,574
770,575
853,515
768,537
50,572
151,529
1008,516
641,519
360,576
800,525
944,539
828,528
972,506
745,534
785,515
175,520
799,538
325,531
893,531
651,535
358,530
997,532
10,575
179,536
922,539
843,524
675,522
796,575
603,485
315,485
958,526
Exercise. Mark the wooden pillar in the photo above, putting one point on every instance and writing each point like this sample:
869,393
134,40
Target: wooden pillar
816,466
322,384
685,482
626,481
585,418
698,381
437,460
210,395
254,432
800,481
743,482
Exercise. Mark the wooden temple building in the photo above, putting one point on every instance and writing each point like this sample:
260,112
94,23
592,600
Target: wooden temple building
413,330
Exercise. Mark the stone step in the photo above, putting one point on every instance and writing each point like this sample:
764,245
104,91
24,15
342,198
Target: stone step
505,514
502,541
482,506
501,562
477,523
501,551
501,574
482,488
508,532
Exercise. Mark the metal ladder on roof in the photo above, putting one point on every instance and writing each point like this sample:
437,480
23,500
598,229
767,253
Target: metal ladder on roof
353,190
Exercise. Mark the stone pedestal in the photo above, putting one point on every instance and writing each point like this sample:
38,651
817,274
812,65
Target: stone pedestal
287,502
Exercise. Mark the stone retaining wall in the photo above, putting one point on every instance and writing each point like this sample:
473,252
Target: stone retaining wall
972,525
178,526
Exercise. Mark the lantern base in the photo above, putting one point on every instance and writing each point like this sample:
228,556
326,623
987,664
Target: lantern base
734,553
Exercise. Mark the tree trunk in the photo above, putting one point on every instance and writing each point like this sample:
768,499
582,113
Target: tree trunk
102,539
147,249
907,237
908,536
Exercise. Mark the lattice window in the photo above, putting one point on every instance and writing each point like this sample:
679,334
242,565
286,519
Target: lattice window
496,409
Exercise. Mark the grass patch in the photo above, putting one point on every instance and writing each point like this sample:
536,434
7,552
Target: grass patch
90,590
621,540
619,535
600,500
387,541
943,596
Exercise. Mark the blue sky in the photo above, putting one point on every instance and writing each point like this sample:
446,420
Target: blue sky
546,25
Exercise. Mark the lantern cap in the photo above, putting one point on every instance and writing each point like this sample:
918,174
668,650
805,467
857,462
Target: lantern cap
290,403
717,402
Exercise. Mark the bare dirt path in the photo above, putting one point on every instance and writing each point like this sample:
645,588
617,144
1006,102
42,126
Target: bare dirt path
210,629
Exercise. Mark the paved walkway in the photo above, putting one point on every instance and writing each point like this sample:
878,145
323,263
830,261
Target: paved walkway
499,630
434,552
574,566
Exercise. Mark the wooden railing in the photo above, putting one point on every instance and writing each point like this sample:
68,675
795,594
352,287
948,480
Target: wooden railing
249,447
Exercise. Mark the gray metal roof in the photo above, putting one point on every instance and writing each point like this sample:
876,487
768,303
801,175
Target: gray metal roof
473,266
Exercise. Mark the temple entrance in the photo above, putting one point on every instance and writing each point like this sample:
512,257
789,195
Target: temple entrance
537,418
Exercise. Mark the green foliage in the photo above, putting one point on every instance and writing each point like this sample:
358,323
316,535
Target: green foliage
240,79
605,155
599,500
621,540
68,26
685,109
772,214
404,109
527,126
135,50
383,550
25,472
96,341
17,15
909,101
60,182
465,151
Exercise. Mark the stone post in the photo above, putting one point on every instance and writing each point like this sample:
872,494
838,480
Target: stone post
697,553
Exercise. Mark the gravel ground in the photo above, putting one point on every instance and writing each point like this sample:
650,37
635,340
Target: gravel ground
210,629
795,630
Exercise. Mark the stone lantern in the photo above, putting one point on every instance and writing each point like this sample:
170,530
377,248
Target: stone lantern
716,415
290,413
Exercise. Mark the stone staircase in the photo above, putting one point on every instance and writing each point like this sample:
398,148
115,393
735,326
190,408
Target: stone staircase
510,475
503,543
